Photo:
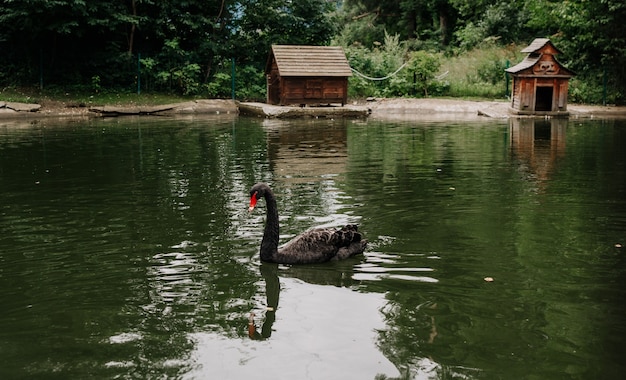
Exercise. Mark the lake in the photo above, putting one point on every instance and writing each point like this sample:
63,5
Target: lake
495,249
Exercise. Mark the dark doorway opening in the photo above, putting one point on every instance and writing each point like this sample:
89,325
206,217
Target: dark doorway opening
544,99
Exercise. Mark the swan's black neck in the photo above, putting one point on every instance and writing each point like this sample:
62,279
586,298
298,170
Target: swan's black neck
269,244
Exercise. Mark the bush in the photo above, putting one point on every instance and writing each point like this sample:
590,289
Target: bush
250,83
406,74
423,66
492,71
590,90
380,62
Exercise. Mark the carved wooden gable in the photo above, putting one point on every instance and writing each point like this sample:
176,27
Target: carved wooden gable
541,61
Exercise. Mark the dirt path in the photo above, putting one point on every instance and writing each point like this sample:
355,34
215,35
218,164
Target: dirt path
65,110
440,108
400,108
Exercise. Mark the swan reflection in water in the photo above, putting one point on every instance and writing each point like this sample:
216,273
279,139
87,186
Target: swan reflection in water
272,291
339,274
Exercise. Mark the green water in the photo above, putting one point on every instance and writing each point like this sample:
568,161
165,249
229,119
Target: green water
127,251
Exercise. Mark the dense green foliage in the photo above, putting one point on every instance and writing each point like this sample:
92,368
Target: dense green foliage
188,47
184,47
591,34
392,70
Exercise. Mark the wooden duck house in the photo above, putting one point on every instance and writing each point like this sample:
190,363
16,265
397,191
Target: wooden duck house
307,75
540,82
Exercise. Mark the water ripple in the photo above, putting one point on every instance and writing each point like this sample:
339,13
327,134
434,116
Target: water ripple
381,266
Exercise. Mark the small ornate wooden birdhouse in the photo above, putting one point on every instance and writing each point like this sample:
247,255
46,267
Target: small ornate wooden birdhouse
540,82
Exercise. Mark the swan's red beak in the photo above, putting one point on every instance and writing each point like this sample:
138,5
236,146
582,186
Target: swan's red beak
253,200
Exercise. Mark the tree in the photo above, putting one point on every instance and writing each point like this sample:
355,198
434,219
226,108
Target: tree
261,23
593,36
422,20
54,35
183,43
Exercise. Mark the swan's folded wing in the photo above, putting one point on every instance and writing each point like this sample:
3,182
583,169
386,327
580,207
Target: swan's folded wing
313,246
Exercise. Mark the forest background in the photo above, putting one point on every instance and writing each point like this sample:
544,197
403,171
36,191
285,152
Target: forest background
193,47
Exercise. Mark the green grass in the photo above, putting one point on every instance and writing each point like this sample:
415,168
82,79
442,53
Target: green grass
479,73
86,98
477,90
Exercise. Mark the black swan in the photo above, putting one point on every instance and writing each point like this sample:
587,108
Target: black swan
316,245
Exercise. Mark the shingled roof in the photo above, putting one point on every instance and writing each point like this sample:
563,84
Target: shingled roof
309,61
538,44
534,51
527,63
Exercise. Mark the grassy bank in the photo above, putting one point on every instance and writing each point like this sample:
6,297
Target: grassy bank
475,74
82,98
480,73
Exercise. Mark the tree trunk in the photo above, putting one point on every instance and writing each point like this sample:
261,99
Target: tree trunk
444,18
411,24
131,38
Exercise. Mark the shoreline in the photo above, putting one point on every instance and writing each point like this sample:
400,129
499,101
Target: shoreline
392,108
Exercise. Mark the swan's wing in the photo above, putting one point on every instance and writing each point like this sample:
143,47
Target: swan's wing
322,244
312,246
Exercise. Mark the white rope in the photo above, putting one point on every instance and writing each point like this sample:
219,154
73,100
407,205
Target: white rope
440,77
383,78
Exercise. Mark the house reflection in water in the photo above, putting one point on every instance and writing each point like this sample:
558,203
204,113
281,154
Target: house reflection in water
306,151
537,145
305,157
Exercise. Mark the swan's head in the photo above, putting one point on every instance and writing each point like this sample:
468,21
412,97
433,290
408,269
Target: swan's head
257,192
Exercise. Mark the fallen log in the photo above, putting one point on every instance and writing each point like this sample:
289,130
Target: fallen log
20,107
201,106
136,110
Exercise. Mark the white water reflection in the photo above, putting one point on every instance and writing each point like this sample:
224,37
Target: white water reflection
320,332
370,272
172,273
